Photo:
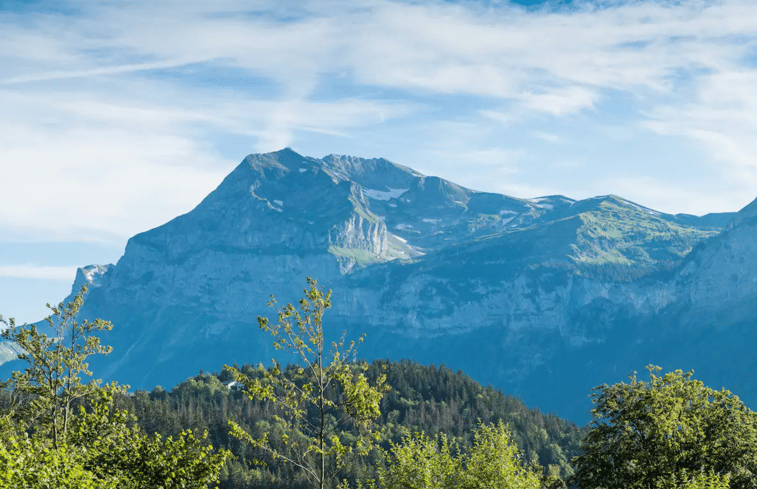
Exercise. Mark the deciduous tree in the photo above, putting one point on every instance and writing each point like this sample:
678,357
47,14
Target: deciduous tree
493,462
671,431
60,432
45,391
326,393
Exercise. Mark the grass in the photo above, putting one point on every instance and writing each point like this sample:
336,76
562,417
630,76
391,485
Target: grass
624,234
482,221
364,213
363,258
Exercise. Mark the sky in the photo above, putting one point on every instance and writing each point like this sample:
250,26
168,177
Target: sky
116,117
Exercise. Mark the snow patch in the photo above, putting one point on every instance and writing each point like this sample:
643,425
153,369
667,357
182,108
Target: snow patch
432,221
640,208
90,274
538,201
94,274
401,239
502,213
279,202
403,226
303,170
392,205
392,193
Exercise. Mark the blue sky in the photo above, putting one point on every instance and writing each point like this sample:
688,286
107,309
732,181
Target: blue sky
118,116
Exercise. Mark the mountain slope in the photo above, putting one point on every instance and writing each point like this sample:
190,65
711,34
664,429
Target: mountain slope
543,297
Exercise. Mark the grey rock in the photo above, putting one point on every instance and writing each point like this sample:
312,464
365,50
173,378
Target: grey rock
544,298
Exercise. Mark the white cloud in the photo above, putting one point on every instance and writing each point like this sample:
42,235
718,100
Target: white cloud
498,116
107,70
560,102
107,105
545,136
124,157
30,271
722,120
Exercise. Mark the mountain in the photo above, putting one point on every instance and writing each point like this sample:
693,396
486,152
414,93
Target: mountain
544,298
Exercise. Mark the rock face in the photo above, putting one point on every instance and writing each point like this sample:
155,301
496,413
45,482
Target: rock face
544,298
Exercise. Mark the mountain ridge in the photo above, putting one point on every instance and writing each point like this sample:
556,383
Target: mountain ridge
541,288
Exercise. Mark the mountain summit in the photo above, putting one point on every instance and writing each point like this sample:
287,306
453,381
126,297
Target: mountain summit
544,297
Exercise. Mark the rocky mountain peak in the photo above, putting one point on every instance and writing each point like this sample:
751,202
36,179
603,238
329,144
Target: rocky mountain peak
542,297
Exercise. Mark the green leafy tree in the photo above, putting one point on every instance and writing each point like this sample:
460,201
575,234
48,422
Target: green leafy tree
420,462
45,392
117,449
669,432
700,480
319,399
493,462
57,432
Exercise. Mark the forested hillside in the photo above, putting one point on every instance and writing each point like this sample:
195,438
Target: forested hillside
333,422
422,398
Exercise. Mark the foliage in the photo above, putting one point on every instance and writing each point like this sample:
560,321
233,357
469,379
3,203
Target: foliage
117,447
57,432
430,399
665,433
313,423
44,393
418,462
702,480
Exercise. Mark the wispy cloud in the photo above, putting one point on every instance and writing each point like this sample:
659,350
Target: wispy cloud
560,102
545,136
106,70
118,116
39,272
113,122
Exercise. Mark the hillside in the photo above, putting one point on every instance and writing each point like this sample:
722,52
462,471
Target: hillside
423,398
536,296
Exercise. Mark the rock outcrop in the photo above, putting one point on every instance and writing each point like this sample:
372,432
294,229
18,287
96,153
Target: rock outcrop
544,298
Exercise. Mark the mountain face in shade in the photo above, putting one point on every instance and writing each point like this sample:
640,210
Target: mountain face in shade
544,298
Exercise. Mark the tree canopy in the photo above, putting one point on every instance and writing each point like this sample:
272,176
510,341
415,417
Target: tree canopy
56,431
420,462
314,422
671,431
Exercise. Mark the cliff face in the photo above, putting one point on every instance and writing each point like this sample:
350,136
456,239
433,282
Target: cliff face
544,298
